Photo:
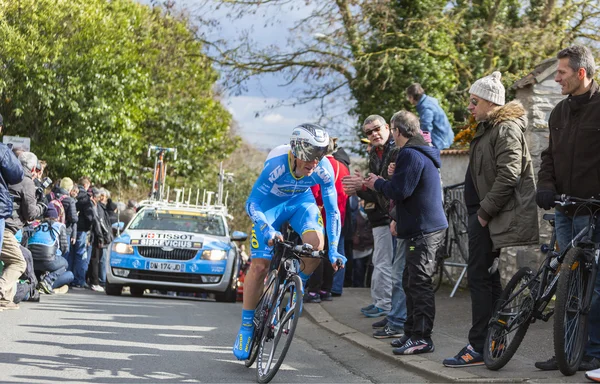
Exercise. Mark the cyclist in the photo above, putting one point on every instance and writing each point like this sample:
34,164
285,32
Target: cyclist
282,194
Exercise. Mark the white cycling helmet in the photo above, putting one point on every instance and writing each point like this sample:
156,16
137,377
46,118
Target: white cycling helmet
309,142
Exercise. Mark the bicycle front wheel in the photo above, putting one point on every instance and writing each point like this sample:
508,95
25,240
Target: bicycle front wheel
279,329
510,321
571,311
261,313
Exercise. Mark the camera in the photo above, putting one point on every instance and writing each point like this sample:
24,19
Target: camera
41,187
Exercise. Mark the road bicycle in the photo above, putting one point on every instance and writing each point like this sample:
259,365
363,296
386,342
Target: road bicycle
276,315
570,275
455,251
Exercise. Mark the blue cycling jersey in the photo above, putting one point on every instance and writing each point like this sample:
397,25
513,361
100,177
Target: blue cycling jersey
278,185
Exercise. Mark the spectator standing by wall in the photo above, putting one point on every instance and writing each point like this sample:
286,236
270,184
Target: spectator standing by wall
432,117
500,200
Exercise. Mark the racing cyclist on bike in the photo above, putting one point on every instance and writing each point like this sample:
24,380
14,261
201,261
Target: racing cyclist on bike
282,194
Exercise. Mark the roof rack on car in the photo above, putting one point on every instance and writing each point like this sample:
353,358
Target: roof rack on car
207,205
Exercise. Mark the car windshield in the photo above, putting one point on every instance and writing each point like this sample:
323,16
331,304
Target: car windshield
164,220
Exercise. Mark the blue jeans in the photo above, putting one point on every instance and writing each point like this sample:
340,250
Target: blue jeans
397,316
80,258
55,268
64,279
338,277
566,228
68,254
102,266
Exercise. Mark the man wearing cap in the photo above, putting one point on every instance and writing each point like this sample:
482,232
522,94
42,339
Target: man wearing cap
14,264
500,200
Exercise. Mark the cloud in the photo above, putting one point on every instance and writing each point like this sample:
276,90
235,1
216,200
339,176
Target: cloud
273,118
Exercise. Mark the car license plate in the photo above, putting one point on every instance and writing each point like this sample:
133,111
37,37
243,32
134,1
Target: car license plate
168,267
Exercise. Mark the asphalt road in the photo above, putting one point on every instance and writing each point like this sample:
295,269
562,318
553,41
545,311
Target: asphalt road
89,337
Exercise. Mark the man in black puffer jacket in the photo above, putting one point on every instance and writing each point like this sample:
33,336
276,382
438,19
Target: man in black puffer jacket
79,253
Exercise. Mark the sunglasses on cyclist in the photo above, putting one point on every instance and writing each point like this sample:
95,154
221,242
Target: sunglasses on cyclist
371,131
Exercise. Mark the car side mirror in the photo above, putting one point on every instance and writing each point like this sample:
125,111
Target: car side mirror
239,236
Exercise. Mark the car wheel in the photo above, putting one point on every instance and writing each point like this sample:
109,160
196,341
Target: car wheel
113,289
137,291
230,295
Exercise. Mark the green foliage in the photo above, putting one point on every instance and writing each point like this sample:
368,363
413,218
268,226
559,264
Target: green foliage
94,82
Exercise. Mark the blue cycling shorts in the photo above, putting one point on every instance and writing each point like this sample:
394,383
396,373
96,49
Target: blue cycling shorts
301,213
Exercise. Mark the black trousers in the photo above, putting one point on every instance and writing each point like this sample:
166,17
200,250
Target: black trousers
416,281
485,287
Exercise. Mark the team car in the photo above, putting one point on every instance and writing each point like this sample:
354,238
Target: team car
174,247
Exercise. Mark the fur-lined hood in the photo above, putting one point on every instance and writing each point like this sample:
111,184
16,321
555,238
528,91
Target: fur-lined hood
512,111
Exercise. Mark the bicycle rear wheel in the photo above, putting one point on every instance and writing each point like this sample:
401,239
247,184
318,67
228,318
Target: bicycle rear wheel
510,321
281,322
571,311
438,271
261,313
458,217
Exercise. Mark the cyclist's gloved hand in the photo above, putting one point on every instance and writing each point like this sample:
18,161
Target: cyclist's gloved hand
271,234
334,255
545,198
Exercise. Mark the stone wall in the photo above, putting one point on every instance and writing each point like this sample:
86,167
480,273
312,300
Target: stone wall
454,165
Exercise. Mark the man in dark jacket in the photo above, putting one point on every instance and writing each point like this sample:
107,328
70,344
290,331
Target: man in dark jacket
382,152
101,236
80,257
570,166
420,222
11,172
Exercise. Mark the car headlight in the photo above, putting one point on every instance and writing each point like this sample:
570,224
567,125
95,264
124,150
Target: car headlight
214,254
123,248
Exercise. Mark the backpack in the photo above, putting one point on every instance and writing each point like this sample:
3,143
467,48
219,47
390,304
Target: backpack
58,205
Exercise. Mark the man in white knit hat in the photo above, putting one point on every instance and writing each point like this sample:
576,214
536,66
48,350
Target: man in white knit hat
500,200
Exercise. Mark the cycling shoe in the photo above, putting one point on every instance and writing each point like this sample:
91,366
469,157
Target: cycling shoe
243,343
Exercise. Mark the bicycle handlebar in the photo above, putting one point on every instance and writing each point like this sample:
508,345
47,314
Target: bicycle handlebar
564,200
304,250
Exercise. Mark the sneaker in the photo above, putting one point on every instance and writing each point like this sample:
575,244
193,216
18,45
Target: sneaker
61,290
467,357
380,324
97,288
399,343
6,304
243,343
375,312
387,332
367,308
45,287
548,365
325,296
589,363
415,346
312,297
35,297
593,375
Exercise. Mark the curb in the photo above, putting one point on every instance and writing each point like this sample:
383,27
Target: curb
415,363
